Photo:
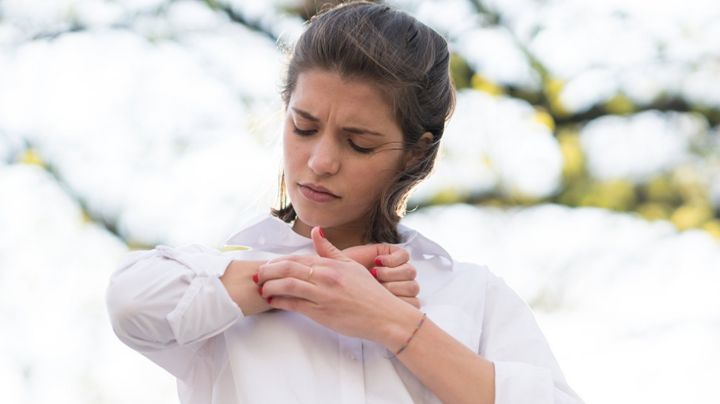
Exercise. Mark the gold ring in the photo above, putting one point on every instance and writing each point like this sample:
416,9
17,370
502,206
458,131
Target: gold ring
310,274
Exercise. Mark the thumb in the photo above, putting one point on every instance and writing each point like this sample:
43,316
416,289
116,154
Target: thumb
324,247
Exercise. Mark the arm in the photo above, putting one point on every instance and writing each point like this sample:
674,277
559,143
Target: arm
242,288
396,275
525,367
513,365
341,295
165,303
454,373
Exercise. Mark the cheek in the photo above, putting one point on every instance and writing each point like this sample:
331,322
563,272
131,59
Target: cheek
370,183
291,153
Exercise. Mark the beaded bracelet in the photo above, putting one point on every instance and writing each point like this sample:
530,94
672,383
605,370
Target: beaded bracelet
420,323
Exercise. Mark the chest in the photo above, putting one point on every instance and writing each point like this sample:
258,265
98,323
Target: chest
282,356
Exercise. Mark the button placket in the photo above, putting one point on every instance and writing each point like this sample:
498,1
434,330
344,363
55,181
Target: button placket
352,379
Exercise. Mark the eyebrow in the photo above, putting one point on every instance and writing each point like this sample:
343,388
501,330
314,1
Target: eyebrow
358,131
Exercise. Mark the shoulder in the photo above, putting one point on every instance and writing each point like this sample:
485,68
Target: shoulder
494,291
472,286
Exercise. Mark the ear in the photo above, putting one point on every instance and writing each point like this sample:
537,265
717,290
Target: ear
417,153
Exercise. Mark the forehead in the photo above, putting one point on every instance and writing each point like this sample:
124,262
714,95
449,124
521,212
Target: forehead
332,97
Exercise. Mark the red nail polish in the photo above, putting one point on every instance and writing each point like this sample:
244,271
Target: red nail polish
378,262
269,300
255,278
374,272
322,233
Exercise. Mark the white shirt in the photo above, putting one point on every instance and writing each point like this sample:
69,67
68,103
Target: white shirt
169,305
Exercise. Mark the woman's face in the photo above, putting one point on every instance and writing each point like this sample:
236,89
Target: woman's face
342,147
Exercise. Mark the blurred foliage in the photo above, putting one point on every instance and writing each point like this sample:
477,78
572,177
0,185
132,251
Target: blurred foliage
678,196
544,118
448,196
482,84
552,89
620,104
460,71
573,158
31,156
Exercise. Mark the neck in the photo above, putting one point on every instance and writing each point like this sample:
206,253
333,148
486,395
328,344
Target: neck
342,237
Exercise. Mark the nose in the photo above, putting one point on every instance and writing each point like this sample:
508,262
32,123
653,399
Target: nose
325,156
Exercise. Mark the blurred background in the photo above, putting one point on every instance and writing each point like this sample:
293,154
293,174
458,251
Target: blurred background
582,165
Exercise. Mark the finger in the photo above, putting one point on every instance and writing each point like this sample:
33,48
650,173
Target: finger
412,300
396,258
404,272
285,269
303,259
291,304
288,287
323,246
403,288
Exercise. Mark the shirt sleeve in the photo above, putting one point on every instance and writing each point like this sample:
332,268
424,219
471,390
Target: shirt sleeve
168,302
525,369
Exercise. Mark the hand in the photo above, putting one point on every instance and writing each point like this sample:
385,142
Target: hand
391,267
333,290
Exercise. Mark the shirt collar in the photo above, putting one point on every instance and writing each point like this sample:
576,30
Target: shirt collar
269,233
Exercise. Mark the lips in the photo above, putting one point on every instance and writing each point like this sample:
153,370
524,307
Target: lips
319,189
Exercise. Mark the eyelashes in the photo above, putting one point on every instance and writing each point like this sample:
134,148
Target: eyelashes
310,132
303,132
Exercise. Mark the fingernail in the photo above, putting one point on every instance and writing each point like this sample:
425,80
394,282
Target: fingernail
322,233
256,279
378,262
374,272
269,300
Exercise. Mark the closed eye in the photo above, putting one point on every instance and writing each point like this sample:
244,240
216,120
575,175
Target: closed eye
303,132
310,132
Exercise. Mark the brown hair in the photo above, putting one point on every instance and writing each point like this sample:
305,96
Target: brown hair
409,62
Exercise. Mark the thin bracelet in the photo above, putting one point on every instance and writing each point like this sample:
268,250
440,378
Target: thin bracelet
420,323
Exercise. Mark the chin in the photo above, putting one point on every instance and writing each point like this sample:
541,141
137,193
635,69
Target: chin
314,217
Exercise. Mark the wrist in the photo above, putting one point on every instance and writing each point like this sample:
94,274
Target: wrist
242,289
400,327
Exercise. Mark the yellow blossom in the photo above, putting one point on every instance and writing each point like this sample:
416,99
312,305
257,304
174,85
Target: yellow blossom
660,189
553,89
620,105
573,158
614,194
30,156
713,227
692,215
447,196
542,117
482,84
654,211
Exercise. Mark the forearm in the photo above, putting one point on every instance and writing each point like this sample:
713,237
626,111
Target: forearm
170,296
239,284
454,373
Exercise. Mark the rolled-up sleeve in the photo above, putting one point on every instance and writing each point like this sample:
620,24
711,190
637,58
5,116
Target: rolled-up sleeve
167,301
525,369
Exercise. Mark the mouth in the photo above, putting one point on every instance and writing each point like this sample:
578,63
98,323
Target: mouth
317,193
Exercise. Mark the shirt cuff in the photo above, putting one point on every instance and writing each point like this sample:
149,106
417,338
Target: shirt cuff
201,260
205,301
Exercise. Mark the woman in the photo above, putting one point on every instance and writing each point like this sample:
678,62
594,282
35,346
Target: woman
367,95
